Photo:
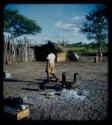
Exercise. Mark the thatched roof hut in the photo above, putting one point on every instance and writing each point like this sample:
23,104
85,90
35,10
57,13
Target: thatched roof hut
44,50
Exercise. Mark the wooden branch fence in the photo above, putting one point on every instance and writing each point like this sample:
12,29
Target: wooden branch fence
16,51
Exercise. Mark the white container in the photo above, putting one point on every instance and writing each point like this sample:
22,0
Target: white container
23,107
8,75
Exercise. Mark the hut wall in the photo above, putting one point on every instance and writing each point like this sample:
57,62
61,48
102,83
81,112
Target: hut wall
61,56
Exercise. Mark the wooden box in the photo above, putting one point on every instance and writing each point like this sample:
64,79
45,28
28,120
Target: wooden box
16,114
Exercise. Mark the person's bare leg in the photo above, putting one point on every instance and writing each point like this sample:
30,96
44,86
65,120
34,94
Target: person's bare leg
48,77
54,76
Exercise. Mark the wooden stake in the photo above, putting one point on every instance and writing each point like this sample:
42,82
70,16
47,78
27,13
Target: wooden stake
75,77
63,78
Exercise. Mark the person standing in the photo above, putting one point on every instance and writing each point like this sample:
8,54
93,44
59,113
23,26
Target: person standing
98,58
50,68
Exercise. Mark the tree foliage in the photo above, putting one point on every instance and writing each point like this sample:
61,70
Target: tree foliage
96,25
18,25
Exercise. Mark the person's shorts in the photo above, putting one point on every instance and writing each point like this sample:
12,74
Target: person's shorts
50,68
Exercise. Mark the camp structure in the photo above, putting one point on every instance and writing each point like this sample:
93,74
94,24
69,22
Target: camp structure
41,52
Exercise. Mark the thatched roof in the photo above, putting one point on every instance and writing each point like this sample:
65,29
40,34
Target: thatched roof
56,46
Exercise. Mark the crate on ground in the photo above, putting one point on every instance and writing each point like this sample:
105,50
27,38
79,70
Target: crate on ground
15,113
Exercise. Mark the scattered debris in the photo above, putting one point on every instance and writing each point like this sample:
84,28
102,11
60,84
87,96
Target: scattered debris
77,93
58,87
58,93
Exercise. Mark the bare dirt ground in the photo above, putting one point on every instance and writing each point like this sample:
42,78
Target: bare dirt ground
26,77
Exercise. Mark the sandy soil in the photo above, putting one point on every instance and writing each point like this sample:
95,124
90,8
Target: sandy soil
27,76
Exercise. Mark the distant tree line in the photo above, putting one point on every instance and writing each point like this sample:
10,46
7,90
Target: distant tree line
87,45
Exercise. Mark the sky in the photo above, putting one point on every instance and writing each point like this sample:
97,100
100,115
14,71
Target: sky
58,21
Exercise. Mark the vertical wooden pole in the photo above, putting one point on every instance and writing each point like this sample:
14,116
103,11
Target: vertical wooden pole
13,51
20,51
100,57
63,78
75,77
25,48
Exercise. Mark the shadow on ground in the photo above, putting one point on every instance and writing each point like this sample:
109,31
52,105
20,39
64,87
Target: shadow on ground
29,89
16,80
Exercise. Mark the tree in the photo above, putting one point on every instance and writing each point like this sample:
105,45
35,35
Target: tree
96,26
18,25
